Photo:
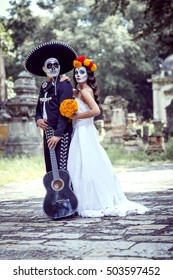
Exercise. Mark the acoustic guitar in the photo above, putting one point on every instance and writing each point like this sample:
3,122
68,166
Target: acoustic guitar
60,201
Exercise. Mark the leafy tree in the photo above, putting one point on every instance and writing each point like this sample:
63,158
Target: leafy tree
21,25
46,4
6,45
120,36
155,18
158,16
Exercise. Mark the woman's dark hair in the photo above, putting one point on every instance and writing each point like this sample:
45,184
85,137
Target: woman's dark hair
91,81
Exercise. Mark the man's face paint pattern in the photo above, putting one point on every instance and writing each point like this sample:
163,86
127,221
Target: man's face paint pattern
51,67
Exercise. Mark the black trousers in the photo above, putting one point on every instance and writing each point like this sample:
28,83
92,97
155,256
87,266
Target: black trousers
61,150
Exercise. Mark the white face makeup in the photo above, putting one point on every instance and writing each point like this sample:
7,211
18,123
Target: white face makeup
81,74
51,67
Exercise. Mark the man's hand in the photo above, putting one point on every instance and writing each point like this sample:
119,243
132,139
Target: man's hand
42,123
52,142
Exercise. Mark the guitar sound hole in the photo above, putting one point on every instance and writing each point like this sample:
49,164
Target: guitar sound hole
57,185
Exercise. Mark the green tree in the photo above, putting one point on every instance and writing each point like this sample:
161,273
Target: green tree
6,45
155,18
124,38
21,24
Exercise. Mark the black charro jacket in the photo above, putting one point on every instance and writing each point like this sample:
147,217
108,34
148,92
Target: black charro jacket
64,91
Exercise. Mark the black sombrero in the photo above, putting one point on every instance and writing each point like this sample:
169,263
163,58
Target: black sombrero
59,50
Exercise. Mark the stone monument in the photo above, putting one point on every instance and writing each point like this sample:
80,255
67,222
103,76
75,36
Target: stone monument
155,140
24,137
162,86
132,141
114,113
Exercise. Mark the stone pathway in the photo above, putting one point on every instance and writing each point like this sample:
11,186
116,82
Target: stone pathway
27,233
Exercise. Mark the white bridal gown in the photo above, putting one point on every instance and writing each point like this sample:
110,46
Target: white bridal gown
95,184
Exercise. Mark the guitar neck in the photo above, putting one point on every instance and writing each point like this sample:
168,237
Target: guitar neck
54,164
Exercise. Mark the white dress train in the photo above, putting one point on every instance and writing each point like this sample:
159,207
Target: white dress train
95,184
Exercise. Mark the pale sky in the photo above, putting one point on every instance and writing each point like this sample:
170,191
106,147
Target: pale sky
5,5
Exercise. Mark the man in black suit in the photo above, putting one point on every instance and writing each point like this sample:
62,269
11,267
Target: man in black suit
51,60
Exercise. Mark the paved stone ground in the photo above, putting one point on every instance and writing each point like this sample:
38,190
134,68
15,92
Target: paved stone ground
27,233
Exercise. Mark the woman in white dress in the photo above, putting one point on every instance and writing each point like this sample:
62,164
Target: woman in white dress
95,184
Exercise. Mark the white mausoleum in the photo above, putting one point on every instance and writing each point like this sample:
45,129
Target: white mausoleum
162,86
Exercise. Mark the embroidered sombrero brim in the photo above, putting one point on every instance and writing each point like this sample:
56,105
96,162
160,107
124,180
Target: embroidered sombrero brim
59,50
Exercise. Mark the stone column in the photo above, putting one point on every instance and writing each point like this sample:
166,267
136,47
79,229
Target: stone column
24,136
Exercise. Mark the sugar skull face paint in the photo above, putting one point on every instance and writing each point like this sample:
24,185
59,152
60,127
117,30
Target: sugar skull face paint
81,74
51,67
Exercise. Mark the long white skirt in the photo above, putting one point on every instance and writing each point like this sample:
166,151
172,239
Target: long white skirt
95,185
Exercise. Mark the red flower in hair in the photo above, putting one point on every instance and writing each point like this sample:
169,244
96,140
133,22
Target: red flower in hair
91,64
82,60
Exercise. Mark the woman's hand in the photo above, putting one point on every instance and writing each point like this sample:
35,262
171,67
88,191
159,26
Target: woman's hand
53,141
74,117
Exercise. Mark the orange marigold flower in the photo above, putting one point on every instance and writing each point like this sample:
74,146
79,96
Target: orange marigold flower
68,107
77,63
86,62
94,67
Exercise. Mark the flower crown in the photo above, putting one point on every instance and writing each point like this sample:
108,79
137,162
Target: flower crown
82,60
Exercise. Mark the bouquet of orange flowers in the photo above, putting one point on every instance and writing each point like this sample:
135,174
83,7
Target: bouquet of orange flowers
68,107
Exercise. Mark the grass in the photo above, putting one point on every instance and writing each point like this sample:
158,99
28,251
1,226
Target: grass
119,156
23,168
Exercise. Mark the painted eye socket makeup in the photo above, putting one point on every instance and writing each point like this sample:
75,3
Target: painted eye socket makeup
79,72
50,65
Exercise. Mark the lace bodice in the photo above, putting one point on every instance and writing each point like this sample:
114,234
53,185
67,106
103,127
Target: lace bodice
82,107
